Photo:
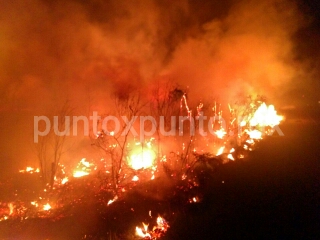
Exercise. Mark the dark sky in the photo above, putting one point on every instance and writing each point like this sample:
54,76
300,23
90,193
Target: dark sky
83,51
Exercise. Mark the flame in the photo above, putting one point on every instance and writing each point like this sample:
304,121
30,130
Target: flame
30,170
112,200
46,207
34,203
265,116
83,168
142,156
254,134
143,159
157,231
11,208
141,232
220,151
230,157
220,133
64,180
161,222
194,200
4,218
78,174
135,178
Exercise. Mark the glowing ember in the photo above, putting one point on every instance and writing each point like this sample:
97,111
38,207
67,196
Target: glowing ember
112,200
135,178
230,157
220,151
194,200
34,203
4,218
64,180
46,207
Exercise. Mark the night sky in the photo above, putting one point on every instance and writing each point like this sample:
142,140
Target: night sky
85,51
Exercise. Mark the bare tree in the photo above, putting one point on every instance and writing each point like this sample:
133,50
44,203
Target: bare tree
114,144
165,103
52,146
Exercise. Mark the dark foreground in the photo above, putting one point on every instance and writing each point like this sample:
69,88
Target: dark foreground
274,194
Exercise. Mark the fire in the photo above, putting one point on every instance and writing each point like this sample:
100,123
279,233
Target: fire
142,157
64,180
112,200
78,174
83,168
135,178
254,134
265,116
46,207
143,232
34,203
11,208
220,133
30,170
230,157
157,231
220,151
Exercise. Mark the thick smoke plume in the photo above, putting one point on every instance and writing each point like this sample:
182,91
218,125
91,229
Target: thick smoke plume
86,51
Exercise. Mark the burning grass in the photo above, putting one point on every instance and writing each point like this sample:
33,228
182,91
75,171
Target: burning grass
138,198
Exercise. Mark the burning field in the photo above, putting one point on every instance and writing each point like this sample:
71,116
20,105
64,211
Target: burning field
263,186
145,194
159,119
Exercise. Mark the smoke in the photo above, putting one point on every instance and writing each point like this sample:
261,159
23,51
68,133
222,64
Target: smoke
85,51
250,51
